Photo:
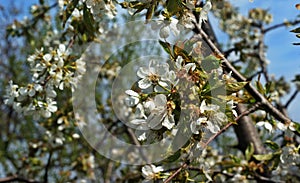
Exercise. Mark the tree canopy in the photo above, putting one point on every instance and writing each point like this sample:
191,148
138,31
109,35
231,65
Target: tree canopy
144,91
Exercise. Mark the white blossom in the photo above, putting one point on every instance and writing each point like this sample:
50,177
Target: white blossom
155,73
160,115
266,125
198,124
212,127
151,171
179,64
142,136
59,141
75,135
133,98
210,107
11,93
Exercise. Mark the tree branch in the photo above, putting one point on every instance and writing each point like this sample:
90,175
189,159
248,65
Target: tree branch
291,99
261,55
176,172
17,179
239,77
47,167
284,24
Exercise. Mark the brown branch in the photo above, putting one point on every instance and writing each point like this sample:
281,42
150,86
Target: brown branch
47,167
291,99
247,133
185,165
261,55
239,77
136,142
250,110
284,24
17,179
176,172
108,173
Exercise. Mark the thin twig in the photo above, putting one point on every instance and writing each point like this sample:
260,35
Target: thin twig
176,172
47,168
284,24
291,99
17,179
250,110
108,173
137,143
261,55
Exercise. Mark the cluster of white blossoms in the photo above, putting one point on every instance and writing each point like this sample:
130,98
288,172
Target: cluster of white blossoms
186,20
99,7
50,71
155,112
153,103
212,119
289,162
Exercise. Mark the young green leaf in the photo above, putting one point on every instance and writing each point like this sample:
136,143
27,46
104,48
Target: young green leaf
69,10
249,151
235,87
272,145
297,30
166,46
263,157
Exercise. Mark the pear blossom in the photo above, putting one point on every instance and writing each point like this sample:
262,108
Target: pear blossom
48,107
155,73
179,64
11,93
62,51
166,27
160,114
198,125
142,136
210,107
266,125
75,136
212,127
133,98
151,171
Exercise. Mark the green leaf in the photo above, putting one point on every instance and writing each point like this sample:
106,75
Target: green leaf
210,62
272,145
151,10
249,151
263,157
173,157
235,87
166,46
260,87
270,86
297,30
89,23
69,10
174,6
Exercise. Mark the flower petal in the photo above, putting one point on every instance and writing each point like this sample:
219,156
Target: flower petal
144,83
